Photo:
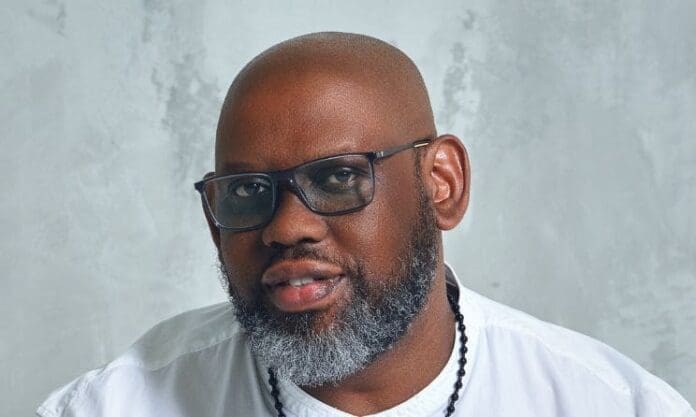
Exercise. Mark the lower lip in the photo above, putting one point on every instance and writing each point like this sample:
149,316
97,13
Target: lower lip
316,295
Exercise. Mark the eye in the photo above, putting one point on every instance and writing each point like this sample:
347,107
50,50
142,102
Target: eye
340,176
248,189
339,179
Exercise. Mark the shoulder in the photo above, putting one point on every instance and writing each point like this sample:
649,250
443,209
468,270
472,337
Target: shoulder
182,334
157,359
568,364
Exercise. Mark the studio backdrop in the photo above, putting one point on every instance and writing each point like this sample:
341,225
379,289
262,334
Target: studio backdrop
579,118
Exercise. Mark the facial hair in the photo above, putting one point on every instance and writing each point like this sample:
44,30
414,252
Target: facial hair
377,315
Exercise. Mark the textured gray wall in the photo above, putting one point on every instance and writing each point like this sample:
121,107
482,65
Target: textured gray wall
579,118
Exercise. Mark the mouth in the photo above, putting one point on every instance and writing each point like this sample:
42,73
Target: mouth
303,285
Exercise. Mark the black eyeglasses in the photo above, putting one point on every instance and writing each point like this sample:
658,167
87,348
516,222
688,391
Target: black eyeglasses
330,186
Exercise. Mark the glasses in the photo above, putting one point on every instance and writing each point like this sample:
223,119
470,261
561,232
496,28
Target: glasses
330,186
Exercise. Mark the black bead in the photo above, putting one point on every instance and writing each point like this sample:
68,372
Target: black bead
458,384
450,409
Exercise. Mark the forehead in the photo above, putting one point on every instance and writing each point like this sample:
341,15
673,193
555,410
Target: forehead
290,119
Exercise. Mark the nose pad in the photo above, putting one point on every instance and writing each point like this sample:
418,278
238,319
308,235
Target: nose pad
293,223
290,185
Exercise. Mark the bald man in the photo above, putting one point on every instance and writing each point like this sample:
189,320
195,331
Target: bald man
330,192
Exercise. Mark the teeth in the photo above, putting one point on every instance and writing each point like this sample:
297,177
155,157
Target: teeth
298,282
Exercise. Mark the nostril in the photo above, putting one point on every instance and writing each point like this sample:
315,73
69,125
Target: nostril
277,246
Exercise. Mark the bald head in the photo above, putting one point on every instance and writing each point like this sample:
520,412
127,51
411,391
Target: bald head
330,70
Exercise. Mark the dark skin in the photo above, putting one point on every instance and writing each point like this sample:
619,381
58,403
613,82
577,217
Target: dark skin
325,94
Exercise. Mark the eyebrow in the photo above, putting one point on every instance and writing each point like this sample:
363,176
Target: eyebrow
229,168
235,168
244,167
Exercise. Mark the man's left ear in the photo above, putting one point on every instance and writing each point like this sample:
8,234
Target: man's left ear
447,177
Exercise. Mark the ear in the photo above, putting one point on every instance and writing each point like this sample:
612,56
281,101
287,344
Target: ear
447,177
214,230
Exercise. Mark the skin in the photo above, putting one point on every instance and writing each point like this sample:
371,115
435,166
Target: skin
329,93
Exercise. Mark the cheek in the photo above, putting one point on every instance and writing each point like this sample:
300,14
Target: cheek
242,256
378,235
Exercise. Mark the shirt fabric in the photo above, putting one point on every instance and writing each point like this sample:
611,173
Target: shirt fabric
198,364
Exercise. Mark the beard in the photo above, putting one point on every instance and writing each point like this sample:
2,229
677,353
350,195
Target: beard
377,315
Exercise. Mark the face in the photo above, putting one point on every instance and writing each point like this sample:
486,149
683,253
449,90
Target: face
322,296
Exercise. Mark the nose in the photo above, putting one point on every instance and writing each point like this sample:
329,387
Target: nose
293,223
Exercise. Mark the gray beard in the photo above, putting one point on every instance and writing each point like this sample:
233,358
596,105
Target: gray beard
376,317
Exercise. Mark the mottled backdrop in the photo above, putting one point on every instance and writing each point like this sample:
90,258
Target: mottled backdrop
580,118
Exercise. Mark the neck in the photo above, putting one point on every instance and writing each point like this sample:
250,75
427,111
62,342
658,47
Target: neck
392,378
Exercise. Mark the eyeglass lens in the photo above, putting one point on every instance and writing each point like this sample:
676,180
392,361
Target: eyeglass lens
328,186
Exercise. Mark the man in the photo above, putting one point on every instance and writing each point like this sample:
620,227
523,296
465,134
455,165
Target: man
330,192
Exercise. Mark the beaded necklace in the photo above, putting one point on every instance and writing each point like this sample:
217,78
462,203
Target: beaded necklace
273,381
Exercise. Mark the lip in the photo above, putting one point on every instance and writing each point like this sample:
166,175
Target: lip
326,288
284,271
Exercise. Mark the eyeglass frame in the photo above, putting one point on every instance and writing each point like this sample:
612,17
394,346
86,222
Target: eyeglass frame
287,176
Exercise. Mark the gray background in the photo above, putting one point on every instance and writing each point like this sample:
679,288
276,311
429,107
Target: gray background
580,119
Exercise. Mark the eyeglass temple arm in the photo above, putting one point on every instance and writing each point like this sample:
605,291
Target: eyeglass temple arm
199,185
396,149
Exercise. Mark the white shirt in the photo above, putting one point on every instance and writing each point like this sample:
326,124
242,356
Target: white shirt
198,364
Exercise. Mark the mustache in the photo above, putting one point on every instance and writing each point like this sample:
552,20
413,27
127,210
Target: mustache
306,252
352,269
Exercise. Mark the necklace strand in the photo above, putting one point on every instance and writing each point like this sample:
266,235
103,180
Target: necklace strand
275,393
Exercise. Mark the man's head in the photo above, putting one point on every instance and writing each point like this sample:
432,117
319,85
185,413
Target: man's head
321,296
